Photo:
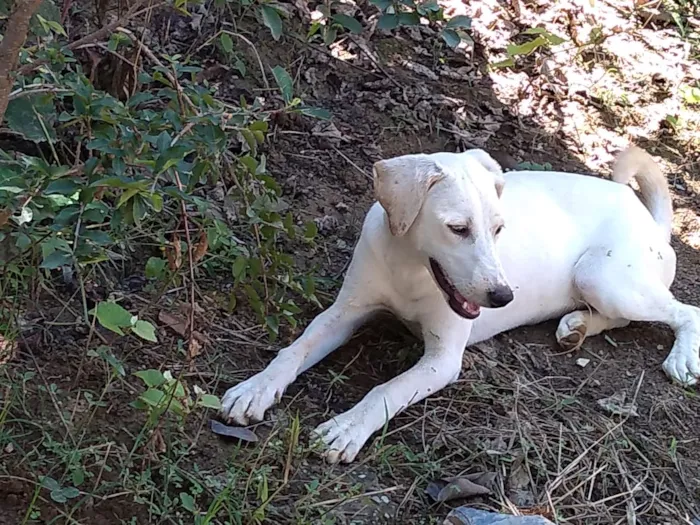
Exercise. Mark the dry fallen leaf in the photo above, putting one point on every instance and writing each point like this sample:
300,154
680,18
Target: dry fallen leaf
5,216
174,253
8,350
99,193
194,348
615,404
174,322
519,482
157,444
218,428
200,249
446,489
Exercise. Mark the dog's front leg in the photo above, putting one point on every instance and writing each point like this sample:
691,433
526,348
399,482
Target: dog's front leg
441,364
249,400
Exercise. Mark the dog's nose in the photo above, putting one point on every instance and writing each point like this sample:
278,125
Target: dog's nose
500,296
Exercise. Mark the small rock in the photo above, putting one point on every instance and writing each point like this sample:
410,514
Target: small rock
342,207
582,362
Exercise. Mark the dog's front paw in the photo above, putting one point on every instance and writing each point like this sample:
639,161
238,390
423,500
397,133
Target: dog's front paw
683,368
344,435
248,401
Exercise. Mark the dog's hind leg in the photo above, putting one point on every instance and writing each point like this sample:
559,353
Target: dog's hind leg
624,282
574,327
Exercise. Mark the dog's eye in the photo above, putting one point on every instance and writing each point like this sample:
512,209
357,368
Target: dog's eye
462,231
499,229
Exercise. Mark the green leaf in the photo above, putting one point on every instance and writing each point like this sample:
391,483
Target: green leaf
451,37
508,62
549,37
409,19
210,401
383,5
254,299
58,497
272,20
157,202
51,25
11,189
50,483
155,266
285,83
56,260
48,11
690,94
250,141
348,22
310,230
388,22
152,378
153,397
526,48
78,477
273,323
145,330
188,502
319,113
70,492
113,316
98,237
62,187
459,22
329,34
553,39
239,268
226,42
25,115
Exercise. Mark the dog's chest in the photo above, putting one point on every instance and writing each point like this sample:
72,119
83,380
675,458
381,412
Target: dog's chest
411,297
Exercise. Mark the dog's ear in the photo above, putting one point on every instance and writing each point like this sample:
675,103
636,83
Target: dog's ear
400,186
491,165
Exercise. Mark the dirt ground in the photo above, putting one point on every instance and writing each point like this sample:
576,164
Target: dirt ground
522,409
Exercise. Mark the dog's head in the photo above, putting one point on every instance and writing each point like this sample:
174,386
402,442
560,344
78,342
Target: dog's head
448,206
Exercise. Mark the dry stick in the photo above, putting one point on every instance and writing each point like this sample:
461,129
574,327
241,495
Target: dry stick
15,35
190,260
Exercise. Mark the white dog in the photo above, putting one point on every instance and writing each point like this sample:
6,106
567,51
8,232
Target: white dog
450,235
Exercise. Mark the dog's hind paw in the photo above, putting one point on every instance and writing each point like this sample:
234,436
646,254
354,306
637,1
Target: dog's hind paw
683,367
571,331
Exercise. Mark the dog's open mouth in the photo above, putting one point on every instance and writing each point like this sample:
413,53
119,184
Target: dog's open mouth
457,301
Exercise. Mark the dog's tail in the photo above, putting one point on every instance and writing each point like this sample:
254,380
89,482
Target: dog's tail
636,163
